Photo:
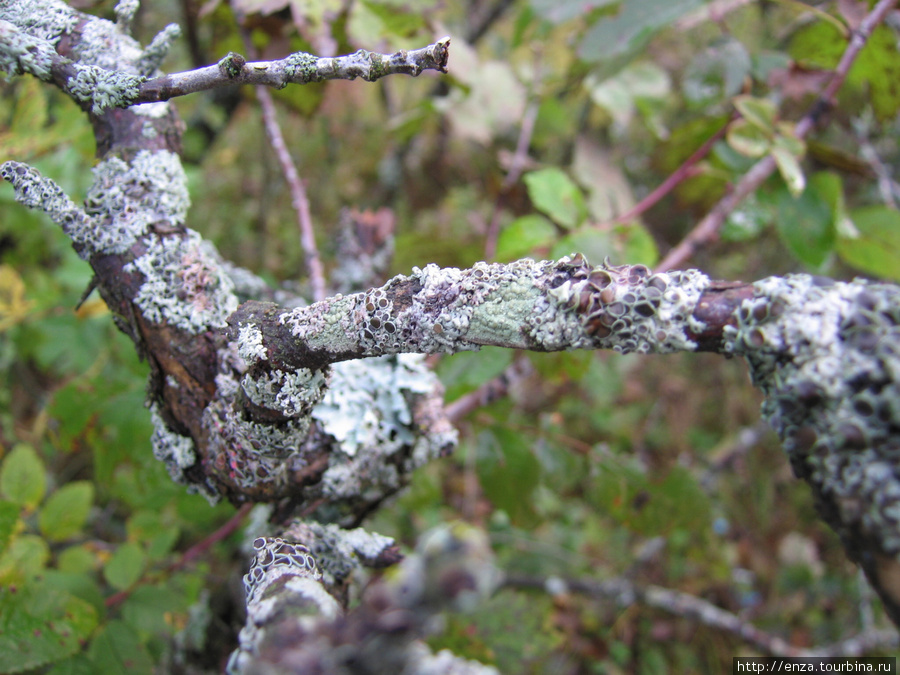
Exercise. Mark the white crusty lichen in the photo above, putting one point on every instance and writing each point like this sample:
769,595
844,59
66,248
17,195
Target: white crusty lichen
127,197
38,192
183,283
367,410
624,308
250,344
291,393
178,453
827,356
542,306
339,552
283,584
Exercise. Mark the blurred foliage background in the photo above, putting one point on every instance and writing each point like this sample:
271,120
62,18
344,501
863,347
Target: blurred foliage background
595,466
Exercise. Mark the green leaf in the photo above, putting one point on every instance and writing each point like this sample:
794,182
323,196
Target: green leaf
558,11
631,28
466,371
523,235
126,566
806,225
875,249
509,472
9,523
25,557
760,112
22,478
748,220
591,242
790,170
748,139
76,559
634,244
147,607
556,195
717,73
40,626
66,511
117,650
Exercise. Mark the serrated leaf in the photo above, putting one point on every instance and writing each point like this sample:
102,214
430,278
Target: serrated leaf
806,225
66,511
556,195
126,566
760,112
22,478
748,139
76,560
117,650
523,235
40,626
875,249
790,170
9,523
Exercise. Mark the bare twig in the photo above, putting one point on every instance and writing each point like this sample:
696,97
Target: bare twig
299,199
625,593
708,228
190,555
687,169
512,176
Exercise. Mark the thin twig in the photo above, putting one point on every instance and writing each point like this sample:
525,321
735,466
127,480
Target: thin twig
708,228
299,68
188,556
687,169
626,593
299,199
512,176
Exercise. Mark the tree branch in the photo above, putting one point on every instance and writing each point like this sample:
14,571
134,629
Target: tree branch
707,229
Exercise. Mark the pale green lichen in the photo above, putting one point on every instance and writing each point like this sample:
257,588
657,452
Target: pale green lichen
366,405
301,67
178,453
21,53
250,344
126,198
827,356
183,284
43,20
290,393
103,88
38,192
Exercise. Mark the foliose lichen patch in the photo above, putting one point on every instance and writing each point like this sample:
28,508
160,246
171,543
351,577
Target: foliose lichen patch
178,453
624,308
183,284
827,356
290,393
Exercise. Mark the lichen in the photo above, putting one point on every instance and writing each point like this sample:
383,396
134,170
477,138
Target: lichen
183,285
127,197
282,583
623,308
290,393
40,20
301,67
178,453
827,357
21,53
250,344
38,192
104,88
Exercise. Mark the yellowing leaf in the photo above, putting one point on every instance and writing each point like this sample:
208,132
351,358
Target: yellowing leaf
13,305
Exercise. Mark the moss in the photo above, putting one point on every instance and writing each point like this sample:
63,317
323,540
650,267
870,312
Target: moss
301,67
